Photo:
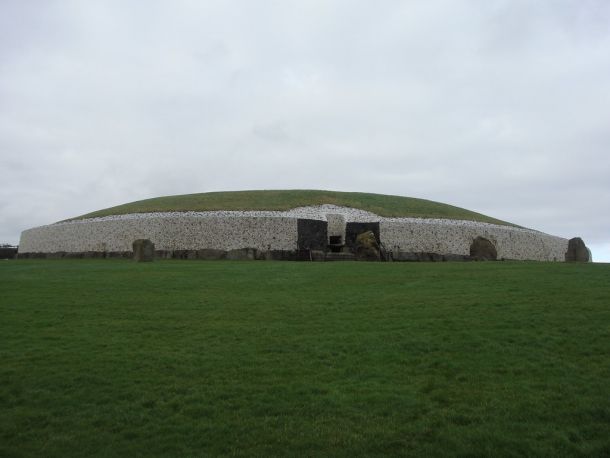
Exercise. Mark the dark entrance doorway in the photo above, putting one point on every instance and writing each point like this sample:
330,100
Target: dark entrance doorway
335,243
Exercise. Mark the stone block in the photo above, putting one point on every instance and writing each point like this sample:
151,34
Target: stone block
163,254
210,254
242,254
577,251
404,256
179,254
280,255
340,257
56,255
143,250
455,258
73,255
119,254
94,254
318,255
483,249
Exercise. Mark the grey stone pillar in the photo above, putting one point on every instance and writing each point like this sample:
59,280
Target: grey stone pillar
143,250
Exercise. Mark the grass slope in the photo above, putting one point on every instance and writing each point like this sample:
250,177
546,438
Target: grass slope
380,204
178,358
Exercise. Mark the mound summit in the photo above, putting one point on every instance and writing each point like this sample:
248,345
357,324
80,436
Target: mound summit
291,225
282,200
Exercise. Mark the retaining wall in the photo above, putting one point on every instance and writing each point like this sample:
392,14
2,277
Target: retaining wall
291,231
455,237
167,233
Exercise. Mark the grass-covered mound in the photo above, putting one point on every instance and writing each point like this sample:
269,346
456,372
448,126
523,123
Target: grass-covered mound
175,358
380,204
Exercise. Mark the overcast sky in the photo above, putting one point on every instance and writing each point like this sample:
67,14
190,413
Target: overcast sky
502,107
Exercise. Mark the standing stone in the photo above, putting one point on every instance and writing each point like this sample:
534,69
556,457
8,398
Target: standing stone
577,251
143,250
483,250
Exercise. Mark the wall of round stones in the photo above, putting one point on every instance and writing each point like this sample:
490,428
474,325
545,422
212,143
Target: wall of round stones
167,233
336,224
455,237
181,232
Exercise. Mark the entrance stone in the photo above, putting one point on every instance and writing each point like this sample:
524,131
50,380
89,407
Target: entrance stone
367,247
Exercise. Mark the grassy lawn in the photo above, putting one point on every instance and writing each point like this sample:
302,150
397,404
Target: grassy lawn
380,204
178,358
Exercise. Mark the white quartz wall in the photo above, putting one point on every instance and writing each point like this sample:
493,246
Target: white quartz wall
166,232
336,225
455,237
277,230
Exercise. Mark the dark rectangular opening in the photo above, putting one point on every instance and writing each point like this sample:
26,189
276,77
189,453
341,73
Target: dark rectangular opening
335,243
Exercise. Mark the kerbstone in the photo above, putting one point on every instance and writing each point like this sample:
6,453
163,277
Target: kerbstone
242,254
211,254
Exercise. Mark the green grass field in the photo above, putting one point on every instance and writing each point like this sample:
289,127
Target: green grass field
178,358
380,204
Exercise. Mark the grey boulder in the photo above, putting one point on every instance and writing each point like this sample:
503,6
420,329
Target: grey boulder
483,249
577,251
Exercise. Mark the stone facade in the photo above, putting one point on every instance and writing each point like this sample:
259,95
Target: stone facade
166,232
283,235
455,237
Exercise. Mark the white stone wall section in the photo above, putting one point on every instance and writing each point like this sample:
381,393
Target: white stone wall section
277,230
336,225
166,232
455,237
